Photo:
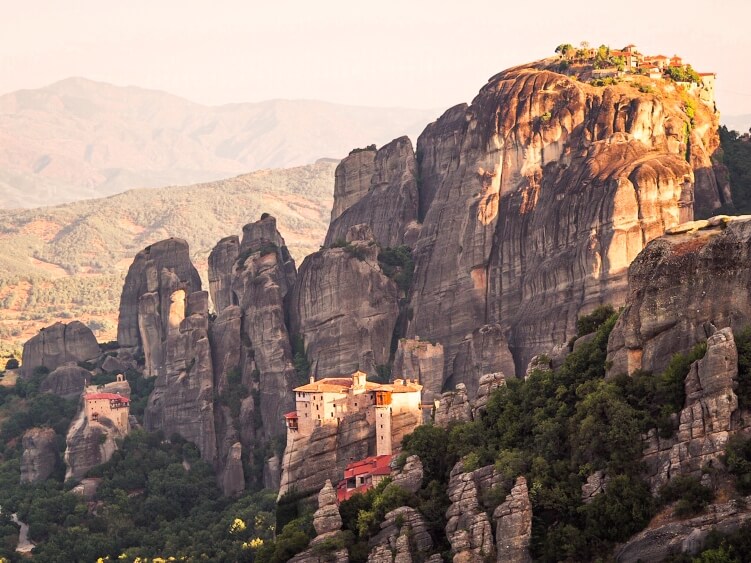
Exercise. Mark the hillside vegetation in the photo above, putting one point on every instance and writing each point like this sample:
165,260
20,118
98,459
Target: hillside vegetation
69,261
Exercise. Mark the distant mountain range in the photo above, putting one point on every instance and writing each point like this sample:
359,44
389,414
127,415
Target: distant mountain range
70,260
79,139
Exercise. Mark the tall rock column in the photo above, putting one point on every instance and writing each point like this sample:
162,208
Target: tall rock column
514,525
345,308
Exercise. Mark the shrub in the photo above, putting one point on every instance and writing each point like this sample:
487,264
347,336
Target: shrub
12,363
737,459
691,495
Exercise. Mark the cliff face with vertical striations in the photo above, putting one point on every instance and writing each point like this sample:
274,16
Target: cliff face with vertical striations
531,203
345,308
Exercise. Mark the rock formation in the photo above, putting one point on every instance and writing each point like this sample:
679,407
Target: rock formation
327,523
233,478
39,455
454,406
221,261
345,308
706,419
143,277
423,360
514,525
410,476
487,384
532,202
685,278
468,526
57,345
659,541
403,538
67,381
182,400
387,200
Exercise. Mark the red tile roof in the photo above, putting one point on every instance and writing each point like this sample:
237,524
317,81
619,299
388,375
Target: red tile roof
291,415
110,396
374,465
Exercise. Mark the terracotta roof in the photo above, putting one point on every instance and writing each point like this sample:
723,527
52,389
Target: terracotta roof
110,396
374,465
399,387
332,385
291,415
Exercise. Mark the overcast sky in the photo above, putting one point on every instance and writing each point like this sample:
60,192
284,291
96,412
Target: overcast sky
410,53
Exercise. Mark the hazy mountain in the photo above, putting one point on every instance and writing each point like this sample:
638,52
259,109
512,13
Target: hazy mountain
740,123
80,139
70,260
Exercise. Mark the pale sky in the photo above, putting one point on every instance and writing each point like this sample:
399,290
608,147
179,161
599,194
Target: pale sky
410,53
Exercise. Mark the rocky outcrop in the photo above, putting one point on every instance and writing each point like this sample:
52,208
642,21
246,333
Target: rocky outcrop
326,519
706,421
596,483
233,478
66,381
532,203
387,201
310,460
403,538
659,541
685,278
39,455
221,260
468,526
57,345
263,276
514,525
89,443
454,406
416,358
182,400
352,179
410,476
345,308
172,255
487,384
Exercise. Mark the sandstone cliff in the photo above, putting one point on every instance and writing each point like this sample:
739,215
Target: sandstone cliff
67,381
681,281
39,455
57,345
144,277
382,193
345,308
532,202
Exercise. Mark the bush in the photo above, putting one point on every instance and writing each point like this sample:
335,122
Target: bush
691,495
12,363
587,324
737,459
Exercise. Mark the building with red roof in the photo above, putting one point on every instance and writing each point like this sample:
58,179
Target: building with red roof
361,476
114,407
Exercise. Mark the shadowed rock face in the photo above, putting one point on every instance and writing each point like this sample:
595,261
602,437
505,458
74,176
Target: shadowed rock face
66,381
532,202
345,308
172,255
221,260
682,280
57,345
39,455
387,202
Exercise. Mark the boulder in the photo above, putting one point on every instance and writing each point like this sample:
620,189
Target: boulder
39,455
487,385
67,381
327,519
410,476
57,345
454,406
403,538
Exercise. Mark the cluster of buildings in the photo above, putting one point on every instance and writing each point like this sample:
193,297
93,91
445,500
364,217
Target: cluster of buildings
653,66
327,401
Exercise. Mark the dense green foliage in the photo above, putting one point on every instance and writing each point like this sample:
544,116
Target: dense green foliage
736,156
558,427
397,263
690,494
733,547
737,459
683,74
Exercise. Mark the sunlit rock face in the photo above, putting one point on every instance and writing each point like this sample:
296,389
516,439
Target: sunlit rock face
532,203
